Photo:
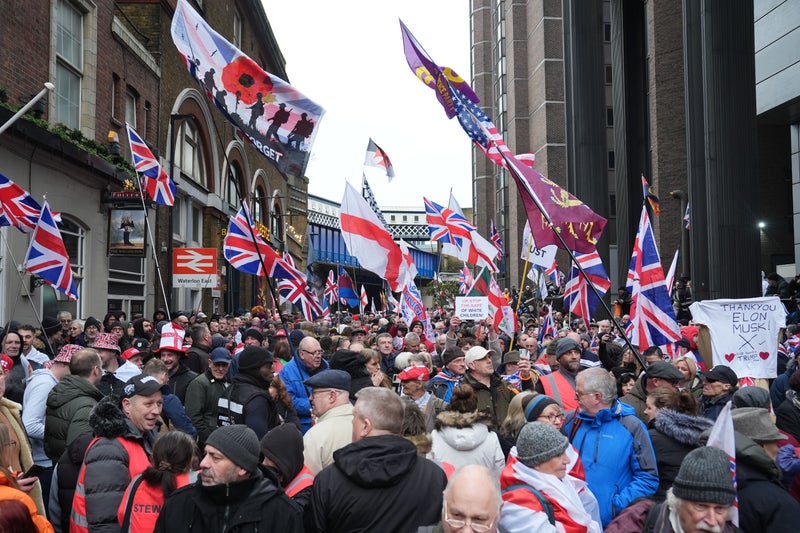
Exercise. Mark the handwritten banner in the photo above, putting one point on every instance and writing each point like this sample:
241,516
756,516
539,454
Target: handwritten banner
744,333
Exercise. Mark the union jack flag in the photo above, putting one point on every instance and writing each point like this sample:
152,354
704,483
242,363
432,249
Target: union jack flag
154,178
496,238
47,256
554,275
652,316
17,207
326,311
295,290
687,218
331,292
450,227
243,244
578,296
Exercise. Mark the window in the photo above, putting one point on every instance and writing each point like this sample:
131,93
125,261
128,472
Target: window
611,161
189,153
259,205
416,218
276,223
177,218
610,117
607,32
237,29
114,85
231,196
391,218
609,75
405,218
74,237
69,63
197,226
130,110
612,205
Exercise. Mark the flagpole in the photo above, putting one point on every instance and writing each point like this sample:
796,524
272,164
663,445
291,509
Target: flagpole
32,102
153,244
270,285
22,281
522,282
549,221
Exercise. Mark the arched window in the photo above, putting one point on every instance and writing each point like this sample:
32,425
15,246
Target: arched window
234,177
260,205
189,152
276,223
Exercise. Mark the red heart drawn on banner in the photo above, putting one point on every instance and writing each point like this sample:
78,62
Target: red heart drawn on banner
763,355
729,356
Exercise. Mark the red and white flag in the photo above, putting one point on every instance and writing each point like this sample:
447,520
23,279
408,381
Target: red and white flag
722,437
368,241
364,299
376,157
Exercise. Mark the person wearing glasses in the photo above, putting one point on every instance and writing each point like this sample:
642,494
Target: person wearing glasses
308,362
719,385
472,498
613,444
538,492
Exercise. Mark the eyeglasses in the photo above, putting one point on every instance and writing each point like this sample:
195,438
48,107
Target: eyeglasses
458,524
707,380
553,418
579,394
317,352
318,391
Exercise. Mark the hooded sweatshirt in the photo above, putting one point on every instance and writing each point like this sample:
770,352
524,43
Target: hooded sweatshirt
464,439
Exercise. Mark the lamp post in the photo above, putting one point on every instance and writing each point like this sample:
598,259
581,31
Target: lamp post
684,198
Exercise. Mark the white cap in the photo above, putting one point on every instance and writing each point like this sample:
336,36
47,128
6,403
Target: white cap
476,353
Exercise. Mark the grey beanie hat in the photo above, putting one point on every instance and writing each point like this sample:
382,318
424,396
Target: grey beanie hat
539,442
705,476
238,443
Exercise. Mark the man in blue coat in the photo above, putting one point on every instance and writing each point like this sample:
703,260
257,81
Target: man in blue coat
613,444
308,362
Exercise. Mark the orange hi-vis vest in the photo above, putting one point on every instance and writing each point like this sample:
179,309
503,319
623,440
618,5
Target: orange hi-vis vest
137,462
303,480
558,388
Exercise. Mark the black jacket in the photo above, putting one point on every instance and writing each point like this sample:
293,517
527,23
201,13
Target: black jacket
69,468
197,358
179,381
764,505
257,504
247,401
673,435
378,484
787,415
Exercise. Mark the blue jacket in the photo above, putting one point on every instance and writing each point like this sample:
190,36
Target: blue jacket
617,457
293,375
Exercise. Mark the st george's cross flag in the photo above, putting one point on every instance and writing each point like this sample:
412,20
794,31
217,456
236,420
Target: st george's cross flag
155,180
47,256
376,157
364,300
579,297
368,241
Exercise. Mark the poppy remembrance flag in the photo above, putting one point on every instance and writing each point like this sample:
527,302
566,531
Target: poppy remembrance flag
155,180
47,256
279,121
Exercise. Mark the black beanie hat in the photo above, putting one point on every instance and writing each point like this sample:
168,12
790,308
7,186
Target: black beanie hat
92,321
253,357
238,443
284,447
253,332
354,363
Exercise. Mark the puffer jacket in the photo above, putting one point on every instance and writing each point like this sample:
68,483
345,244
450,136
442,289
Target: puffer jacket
293,375
464,439
69,405
617,456
378,484
7,492
673,436
256,504
107,474
202,396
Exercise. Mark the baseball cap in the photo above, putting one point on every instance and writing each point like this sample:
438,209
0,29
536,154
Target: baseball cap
722,374
476,353
141,385
414,373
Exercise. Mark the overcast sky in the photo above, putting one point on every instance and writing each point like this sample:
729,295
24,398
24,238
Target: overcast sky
348,57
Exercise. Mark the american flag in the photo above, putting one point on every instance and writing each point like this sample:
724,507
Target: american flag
496,238
154,178
243,253
578,296
527,159
331,293
369,196
652,316
17,207
47,256
447,226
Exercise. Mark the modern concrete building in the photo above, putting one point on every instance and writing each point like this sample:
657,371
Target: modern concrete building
605,92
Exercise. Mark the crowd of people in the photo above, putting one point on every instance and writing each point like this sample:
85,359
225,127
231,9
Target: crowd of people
216,423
